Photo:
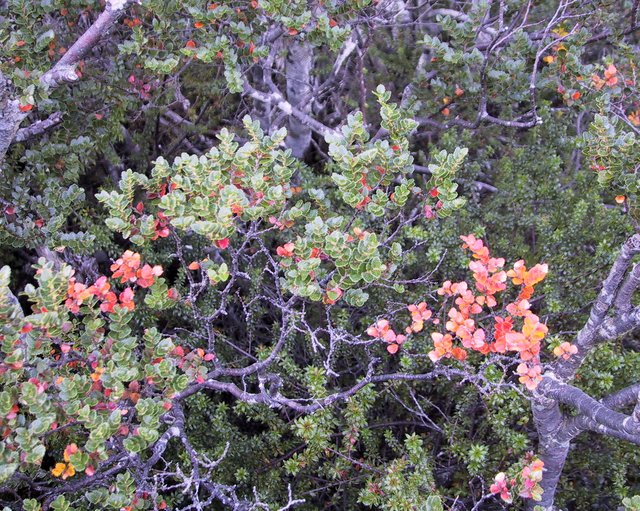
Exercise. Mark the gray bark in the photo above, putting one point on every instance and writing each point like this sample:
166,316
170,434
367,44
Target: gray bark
299,66
611,316
63,72
10,116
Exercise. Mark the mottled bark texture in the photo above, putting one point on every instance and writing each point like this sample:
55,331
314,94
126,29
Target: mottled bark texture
298,70
64,71
10,116
611,316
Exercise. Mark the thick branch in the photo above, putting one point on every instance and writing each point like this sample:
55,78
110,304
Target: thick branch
595,410
591,333
629,286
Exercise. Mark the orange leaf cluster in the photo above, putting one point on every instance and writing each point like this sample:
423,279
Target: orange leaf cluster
490,279
610,78
127,269
286,250
65,470
382,330
419,314
443,348
565,350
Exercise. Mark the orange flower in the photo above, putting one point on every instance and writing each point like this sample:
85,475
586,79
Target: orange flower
527,342
476,341
77,293
460,324
379,329
519,308
503,326
449,289
382,330
597,82
110,300
69,451
96,376
476,246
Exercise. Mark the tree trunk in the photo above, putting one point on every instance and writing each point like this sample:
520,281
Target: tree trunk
10,116
298,75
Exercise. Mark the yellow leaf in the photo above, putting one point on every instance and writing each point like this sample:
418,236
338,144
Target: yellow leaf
70,472
560,32
58,469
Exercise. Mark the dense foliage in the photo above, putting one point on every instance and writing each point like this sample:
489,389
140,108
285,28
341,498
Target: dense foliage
267,254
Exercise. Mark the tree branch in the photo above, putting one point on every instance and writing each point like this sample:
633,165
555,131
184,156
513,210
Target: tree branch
38,127
62,72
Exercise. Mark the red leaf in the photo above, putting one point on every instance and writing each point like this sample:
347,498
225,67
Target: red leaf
223,243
